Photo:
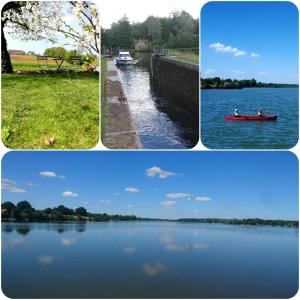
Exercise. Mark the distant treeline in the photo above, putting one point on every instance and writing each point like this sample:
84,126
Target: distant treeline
252,222
179,30
218,83
24,212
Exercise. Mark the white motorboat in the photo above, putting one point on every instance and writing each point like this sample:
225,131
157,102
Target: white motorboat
124,59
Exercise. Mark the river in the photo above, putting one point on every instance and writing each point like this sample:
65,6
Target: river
216,133
148,260
161,123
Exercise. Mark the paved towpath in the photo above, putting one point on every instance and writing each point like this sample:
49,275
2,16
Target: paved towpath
120,132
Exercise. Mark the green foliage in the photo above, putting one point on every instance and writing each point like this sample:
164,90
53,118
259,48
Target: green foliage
24,205
218,83
249,222
64,210
81,211
179,30
8,206
55,52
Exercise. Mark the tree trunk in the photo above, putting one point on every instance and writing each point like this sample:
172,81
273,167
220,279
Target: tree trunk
6,66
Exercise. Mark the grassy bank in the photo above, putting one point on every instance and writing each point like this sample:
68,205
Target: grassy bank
189,56
37,107
103,106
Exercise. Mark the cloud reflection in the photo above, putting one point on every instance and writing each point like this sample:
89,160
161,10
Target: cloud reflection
154,269
129,250
67,241
200,246
45,259
176,247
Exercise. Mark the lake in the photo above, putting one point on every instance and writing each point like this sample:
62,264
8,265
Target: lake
160,122
148,260
217,133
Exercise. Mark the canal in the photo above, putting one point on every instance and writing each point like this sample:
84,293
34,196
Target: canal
161,123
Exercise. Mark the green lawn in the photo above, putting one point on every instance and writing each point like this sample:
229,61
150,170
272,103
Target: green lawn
188,56
38,107
103,107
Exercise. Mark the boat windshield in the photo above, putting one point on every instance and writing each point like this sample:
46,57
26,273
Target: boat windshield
123,55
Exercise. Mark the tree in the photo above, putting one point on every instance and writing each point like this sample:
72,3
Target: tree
9,206
55,52
81,211
64,210
37,20
24,206
12,7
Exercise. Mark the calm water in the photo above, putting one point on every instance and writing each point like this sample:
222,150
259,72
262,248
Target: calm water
160,122
218,133
148,260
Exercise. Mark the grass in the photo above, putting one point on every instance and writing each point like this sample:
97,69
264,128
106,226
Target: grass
188,56
37,107
103,106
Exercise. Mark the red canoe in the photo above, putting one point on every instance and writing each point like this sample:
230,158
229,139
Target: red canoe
250,118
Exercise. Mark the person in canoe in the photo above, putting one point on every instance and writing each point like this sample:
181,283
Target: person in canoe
260,113
236,113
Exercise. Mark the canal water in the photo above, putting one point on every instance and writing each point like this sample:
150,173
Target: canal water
148,260
161,123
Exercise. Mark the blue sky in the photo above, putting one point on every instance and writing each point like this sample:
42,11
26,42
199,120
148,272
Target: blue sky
250,40
157,184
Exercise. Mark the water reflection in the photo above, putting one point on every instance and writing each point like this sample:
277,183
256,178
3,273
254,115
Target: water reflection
68,241
45,259
148,260
176,247
154,269
24,229
129,250
161,123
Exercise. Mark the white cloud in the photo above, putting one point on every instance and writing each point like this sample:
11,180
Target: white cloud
51,174
132,190
238,72
157,171
68,241
253,54
179,196
104,201
69,194
30,183
262,73
293,75
223,48
202,199
167,203
210,71
154,269
11,186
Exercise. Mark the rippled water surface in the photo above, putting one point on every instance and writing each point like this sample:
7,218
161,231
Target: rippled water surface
161,123
217,133
148,260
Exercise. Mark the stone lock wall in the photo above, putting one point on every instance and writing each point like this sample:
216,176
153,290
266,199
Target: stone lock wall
176,80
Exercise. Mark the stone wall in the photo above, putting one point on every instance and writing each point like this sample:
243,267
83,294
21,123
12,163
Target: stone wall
176,80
